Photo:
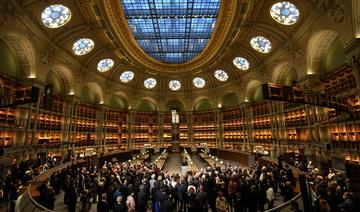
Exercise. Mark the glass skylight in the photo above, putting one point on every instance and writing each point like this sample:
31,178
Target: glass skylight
126,76
199,82
150,83
105,65
285,13
83,46
172,31
241,63
55,16
174,85
221,75
261,44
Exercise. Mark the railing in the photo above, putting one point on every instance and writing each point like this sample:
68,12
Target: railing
26,203
286,206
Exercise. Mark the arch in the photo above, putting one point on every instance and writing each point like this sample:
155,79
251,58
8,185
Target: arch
203,103
356,17
175,104
335,56
280,70
24,51
87,95
146,105
317,47
230,100
8,61
66,75
252,89
96,91
57,83
117,101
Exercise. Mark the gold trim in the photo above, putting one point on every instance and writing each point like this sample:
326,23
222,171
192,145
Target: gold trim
117,22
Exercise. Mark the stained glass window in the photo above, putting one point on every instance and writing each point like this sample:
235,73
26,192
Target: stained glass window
126,76
261,44
105,65
241,63
83,46
150,83
285,13
172,31
199,82
55,16
221,75
174,85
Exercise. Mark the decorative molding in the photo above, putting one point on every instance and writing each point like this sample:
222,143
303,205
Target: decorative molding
335,10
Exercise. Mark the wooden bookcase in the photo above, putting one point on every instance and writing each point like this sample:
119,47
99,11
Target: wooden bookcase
204,128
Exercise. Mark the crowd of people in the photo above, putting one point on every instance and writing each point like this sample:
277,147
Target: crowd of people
15,176
127,187
141,187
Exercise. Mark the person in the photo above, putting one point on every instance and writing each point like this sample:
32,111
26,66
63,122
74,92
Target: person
85,201
102,205
221,204
191,199
120,205
184,166
202,199
270,196
181,189
141,199
294,207
130,201
72,197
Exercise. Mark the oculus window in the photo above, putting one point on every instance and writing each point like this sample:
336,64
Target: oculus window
285,13
171,31
150,83
174,85
261,44
55,16
221,75
105,65
126,76
83,46
199,82
241,63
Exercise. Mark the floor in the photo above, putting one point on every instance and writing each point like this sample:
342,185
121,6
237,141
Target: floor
173,163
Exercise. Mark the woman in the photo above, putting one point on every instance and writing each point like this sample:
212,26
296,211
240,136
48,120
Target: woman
221,204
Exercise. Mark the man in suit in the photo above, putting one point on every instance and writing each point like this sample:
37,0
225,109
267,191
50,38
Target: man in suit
181,189
141,199
202,199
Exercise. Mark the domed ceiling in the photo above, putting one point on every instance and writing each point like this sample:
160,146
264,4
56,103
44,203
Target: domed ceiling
168,46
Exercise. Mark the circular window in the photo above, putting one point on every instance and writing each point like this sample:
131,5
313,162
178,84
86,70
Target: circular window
126,76
83,46
285,13
261,44
221,75
241,63
55,16
174,85
199,82
105,65
150,83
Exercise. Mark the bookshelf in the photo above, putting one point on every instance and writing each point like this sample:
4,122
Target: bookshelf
339,81
204,128
235,126
183,128
83,126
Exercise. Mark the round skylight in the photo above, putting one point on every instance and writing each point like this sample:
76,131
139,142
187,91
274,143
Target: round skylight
221,75
241,63
105,65
150,83
174,85
83,46
126,76
199,82
261,44
55,16
285,13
